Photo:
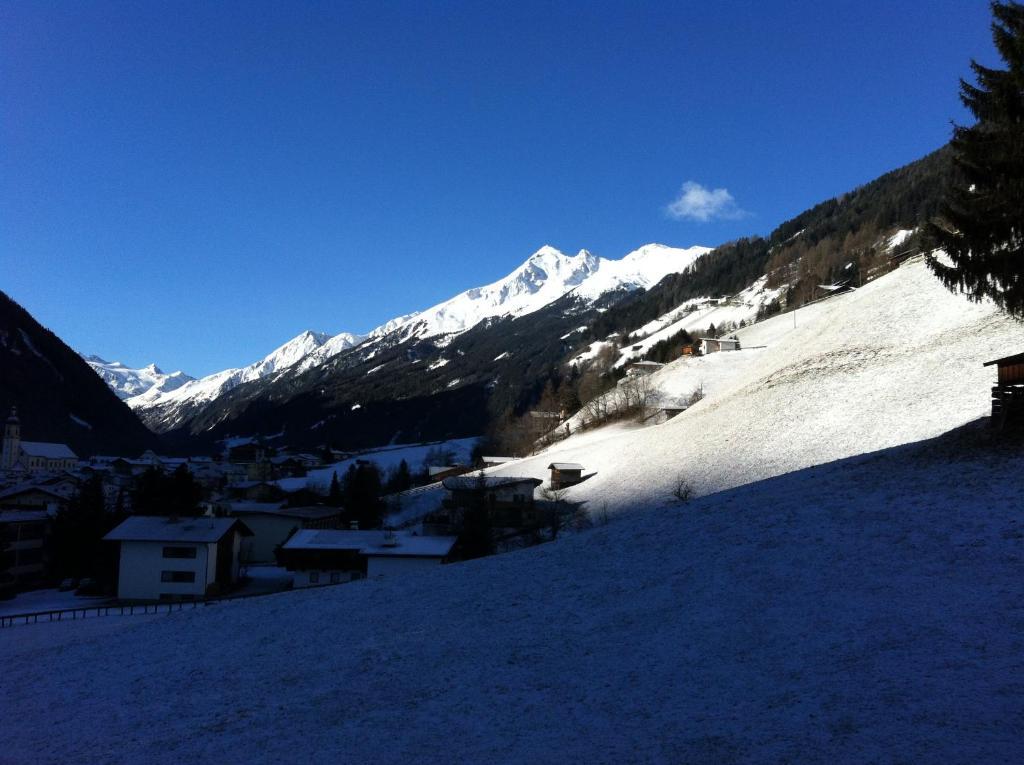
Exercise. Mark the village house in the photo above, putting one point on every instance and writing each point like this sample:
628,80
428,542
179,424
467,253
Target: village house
255,491
26,533
565,474
509,501
495,461
716,344
440,472
337,556
1008,392
177,558
33,496
271,524
19,456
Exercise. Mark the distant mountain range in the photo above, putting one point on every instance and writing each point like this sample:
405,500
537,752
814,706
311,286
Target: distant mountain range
169,402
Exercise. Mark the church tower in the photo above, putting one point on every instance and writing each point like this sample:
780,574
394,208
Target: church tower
12,441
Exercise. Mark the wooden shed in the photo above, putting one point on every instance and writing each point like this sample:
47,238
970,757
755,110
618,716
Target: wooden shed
565,474
1008,392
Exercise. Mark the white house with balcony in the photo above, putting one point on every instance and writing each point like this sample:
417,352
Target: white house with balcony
177,558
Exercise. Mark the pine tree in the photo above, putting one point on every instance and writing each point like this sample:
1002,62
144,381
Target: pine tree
334,493
983,231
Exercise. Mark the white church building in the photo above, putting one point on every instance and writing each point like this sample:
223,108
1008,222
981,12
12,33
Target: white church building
32,456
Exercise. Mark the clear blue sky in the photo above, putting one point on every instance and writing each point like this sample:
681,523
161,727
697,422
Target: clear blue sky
194,183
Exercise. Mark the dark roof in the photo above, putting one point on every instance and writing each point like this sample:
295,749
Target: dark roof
469,483
50,451
154,528
1017,358
25,488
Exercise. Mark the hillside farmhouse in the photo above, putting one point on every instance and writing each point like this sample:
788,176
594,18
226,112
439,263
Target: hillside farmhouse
716,344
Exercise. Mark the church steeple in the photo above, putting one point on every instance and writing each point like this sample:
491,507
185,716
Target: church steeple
12,441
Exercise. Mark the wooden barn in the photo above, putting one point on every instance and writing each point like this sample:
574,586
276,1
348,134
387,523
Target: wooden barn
1008,392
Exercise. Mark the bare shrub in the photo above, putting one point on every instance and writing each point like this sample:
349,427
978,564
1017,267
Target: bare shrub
682,492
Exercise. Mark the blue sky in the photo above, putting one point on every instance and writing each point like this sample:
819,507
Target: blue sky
195,183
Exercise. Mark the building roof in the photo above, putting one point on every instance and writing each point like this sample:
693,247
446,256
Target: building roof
468,483
498,460
399,544
50,451
647,364
565,466
437,469
308,513
25,488
23,516
1017,358
155,528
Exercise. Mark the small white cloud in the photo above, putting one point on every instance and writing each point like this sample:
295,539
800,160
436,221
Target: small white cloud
695,202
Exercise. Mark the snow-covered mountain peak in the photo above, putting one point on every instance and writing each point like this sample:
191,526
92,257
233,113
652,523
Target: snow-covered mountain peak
542,278
127,382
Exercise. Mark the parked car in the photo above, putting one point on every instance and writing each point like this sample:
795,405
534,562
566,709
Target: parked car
67,585
8,586
89,586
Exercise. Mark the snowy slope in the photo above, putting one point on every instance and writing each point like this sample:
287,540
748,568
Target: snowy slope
127,382
546,276
210,387
896,361
695,316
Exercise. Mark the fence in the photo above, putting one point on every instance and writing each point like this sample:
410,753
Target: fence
129,609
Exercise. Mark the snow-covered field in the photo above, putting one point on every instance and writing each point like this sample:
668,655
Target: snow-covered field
864,611
846,588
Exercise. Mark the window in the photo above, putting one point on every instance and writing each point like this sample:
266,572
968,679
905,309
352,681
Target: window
314,577
179,552
177,576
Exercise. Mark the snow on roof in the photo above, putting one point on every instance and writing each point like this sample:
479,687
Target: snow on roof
309,512
25,488
154,528
468,483
565,466
498,460
373,542
50,451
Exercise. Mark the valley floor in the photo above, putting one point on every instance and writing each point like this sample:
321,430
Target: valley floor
865,610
